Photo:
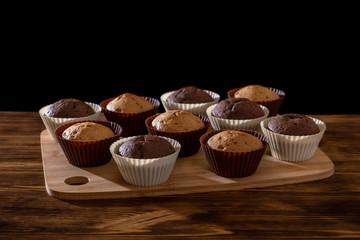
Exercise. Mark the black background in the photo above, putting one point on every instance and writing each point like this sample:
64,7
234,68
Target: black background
312,86
314,62
304,94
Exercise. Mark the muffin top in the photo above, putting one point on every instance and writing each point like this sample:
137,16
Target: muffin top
69,108
129,103
234,141
145,147
190,94
87,131
256,93
237,108
177,121
293,124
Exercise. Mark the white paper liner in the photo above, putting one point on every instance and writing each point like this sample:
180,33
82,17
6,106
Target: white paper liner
195,108
293,148
51,123
248,124
145,172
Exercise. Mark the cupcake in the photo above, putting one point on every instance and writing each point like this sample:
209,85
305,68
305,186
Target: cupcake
130,111
293,137
145,160
233,153
191,99
183,126
67,110
86,143
237,113
269,97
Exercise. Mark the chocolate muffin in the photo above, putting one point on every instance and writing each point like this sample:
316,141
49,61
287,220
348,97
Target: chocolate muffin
138,161
293,124
237,108
303,141
190,94
69,108
145,147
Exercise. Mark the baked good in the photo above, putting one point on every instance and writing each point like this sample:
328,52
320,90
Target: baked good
191,99
177,121
233,153
184,127
85,143
145,147
293,137
129,103
234,141
271,98
130,111
237,108
87,131
190,94
293,124
256,93
69,108
138,167
237,113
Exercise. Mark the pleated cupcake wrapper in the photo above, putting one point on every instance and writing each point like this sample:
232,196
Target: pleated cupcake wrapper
189,140
233,164
293,148
132,123
145,172
248,124
51,123
273,106
195,108
89,153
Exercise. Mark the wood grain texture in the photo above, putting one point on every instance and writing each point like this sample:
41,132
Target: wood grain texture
323,209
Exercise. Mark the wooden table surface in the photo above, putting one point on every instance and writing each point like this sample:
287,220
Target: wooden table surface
325,209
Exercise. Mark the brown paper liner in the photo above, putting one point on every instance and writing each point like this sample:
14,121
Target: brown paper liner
132,123
273,106
189,140
233,164
90,153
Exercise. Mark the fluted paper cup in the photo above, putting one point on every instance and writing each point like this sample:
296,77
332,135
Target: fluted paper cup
247,124
132,123
189,140
293,148
145,172
88,153
273,106
233,164
195,108
51,123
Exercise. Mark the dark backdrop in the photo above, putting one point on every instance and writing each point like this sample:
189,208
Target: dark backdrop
314,63
308,91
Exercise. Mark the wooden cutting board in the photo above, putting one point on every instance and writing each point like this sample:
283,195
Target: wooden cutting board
190,175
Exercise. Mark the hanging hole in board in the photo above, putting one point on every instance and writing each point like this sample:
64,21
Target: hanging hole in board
77,180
